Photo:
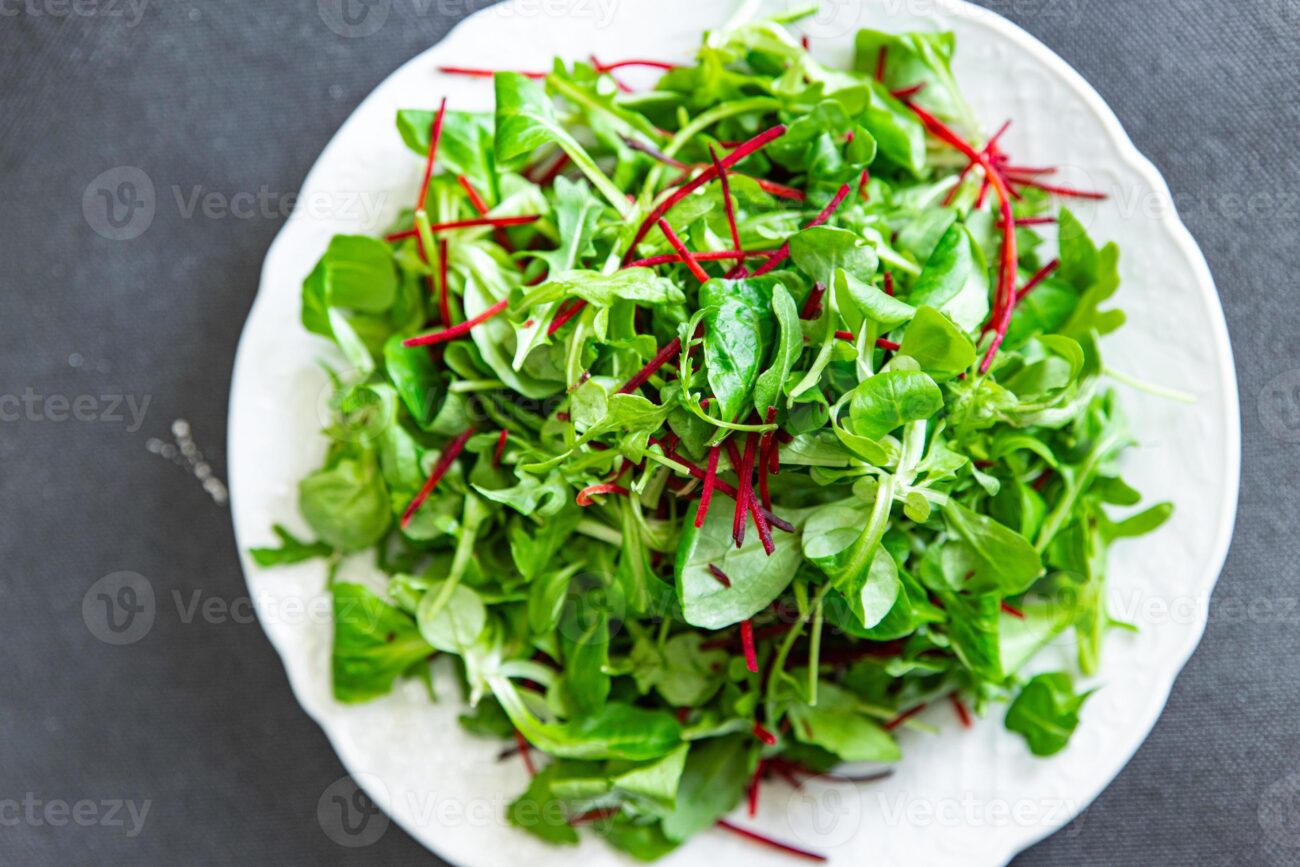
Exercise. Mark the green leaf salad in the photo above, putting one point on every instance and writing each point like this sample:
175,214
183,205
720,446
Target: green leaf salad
710,432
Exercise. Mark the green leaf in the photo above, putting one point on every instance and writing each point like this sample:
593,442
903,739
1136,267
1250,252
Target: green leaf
641,285
656,781
857,300
892,398
374,643
937,344
821,250
706,603
829,539
836,724
539,812
1046,713
291,550
420,383
456,624
771,382
713,782
1006,561
955,280
738,322
347,504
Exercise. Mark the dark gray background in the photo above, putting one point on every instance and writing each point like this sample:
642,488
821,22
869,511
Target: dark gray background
240,96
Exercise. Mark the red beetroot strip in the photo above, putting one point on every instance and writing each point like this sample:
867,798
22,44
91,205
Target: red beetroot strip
764,735
719,484
1004,303
719,575
497,222
525,753
586,494
435,136
756,143
481,207
665,355
565,314
1038,278
444,285
730,207
784,253
903,717
710,480
747,641
440,468
962,713
881,342
769,842
456,331
687,256
500,449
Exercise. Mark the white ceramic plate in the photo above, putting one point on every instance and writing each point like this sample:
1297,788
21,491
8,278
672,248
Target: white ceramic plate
969,798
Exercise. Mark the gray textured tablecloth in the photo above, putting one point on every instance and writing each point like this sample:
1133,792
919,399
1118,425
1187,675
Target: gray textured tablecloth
196,722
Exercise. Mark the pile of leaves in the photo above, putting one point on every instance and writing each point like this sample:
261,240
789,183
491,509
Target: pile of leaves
714,430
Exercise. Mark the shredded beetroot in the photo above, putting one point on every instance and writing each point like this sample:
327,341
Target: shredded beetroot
665,355
719,575
889,284
752,792
687,256
1064,192
595,816
525,753
962,713
907,93
728,204
1013,611
500,449
764,735
710,479
881,342
565,314
769,842
756,143
1004,301
585,495
813,306
711,256
1032,221
764,459
476,72
747,642
435,136
784,253
1045,272
881,57
742,494
862,185
440,468
481,207
780,190
496,222
460,330
720,485
903,717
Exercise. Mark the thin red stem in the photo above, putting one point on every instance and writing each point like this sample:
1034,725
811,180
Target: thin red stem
889,284
812,307
652,64
564,315
440,468
710,479
687,256
1034,281
497,222
784,252
962,713
903,717
444,282
525,753
665,355
500,449
457,331
727,203
756,143
742,494
719,485
881,57
435,136
764,735
476,72
747,642
769,842
586,494
1013,611
1064,192
721,576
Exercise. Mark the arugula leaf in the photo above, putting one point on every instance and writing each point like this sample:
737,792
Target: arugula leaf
374,644
291,550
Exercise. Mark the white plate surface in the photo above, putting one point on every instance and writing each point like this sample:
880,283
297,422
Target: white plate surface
966,797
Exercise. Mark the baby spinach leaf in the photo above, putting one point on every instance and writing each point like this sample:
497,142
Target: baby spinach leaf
1046,713
836,724
347,504
955,280
771,382
937,344
739,326
890,399
713,782
1006,561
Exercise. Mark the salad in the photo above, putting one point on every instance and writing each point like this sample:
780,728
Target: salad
705,434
